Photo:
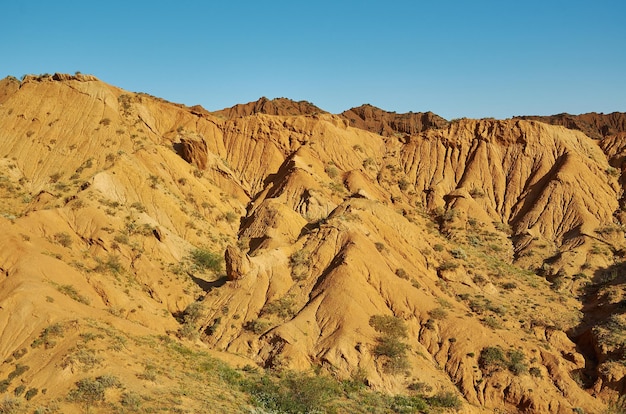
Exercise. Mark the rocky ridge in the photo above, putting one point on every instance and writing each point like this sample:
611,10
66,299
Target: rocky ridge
385,123
497,245
278,106
594,125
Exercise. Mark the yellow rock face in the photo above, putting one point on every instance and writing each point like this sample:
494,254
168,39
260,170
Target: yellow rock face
477,235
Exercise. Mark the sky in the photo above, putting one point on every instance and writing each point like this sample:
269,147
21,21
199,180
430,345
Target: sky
462,58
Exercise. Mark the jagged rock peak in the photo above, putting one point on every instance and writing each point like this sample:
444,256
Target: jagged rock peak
594,125
278,106
379,121
59,77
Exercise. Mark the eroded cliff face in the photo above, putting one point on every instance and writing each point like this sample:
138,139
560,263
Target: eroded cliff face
495,193
385,123
594,125
278,106
484,239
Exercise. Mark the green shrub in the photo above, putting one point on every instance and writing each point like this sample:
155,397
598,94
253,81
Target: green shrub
438,313
390,347
420,387
18,353
310,392
111,265
471,239
409,404
509,286
87,391
448,265
10,405
189,318
403,184
131,400
71,291
19,390
503,227
491,322
138,206
90,391
86,356
331,171
368,162
450,215
300,262
121,238
394,353
480,280
557,283
299,274
230,216
300,258
19,370
149,373
389,325
47,336
357,382
517,363
31,393
282,307
63,239
402,274
258,326
192,313
109,381
203,260
154,181
388,344
458,253
492,357
210,330
293,393
446,399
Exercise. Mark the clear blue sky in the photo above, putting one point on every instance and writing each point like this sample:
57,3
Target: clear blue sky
478,58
